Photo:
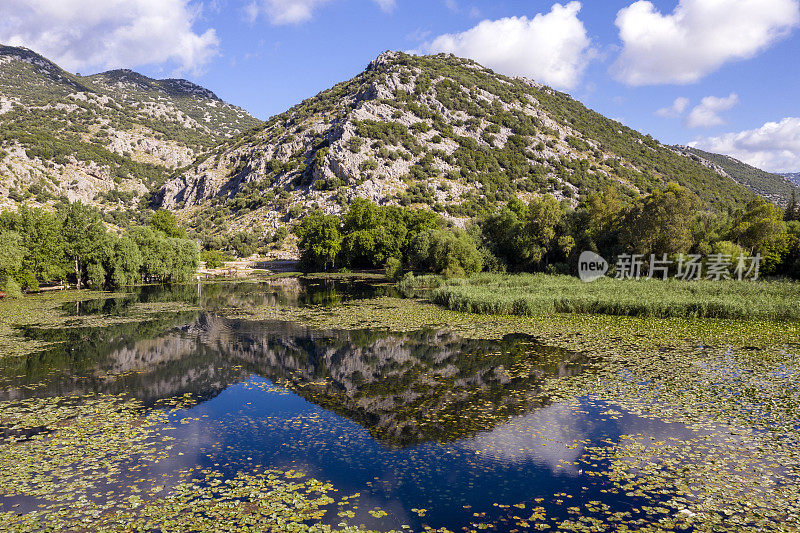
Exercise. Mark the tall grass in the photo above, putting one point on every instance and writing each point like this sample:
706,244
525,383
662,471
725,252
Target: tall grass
539,294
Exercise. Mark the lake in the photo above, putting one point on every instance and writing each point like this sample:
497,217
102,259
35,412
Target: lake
412,430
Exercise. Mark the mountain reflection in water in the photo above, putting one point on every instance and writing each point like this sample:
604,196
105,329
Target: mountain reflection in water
404,388
422,420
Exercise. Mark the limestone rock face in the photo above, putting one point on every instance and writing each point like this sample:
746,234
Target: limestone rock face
435,132
107,139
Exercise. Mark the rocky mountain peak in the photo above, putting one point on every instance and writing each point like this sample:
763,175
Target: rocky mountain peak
107,139
436,132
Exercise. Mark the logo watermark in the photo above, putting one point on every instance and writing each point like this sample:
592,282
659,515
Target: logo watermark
591,267
691,267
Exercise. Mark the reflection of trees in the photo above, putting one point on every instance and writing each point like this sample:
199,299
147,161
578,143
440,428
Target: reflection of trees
405,388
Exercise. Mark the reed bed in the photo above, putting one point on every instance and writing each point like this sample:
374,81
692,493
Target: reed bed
541,294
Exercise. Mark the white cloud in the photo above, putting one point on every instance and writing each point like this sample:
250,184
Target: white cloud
678,107
774,147
552,48
386,6
706,115
697,38
283,11
88,34
280,12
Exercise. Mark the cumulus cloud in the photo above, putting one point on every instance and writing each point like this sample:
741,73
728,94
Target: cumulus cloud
552,48
697,38
774,147
87,34
678,107
706,115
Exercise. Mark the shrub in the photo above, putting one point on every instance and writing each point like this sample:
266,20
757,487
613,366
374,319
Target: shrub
213,258
394,268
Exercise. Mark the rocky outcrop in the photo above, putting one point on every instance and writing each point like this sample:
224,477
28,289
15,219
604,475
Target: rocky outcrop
105,139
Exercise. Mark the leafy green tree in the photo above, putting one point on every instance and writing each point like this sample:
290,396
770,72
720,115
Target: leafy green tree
792,211
503,234
320,241
42,239
660,223
541,230
167,223
213,258
605,212
394,268
82,230
12,253
126,263
153,248
183,260
759,223
452,253
244,243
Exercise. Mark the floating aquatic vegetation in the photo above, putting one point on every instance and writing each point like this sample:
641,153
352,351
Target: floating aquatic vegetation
723,393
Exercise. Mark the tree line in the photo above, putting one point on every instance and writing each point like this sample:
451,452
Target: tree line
545,235
73,245
372,236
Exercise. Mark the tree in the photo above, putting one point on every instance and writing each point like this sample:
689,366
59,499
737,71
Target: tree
42,239
503,234
660,223
452,253
12,253
184,260
167,223
792,210
153,248
602,215
82,230
320,241
126,263
544,217
757,224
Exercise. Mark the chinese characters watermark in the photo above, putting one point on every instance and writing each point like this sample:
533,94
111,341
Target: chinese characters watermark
691,267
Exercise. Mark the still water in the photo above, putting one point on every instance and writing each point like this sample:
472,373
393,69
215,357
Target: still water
416,421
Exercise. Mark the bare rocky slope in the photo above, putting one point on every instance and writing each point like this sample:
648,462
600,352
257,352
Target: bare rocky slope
107,139
437,132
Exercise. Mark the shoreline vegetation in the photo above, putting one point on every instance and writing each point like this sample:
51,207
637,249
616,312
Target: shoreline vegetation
542,294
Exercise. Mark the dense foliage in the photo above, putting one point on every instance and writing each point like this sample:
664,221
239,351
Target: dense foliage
371,236
548,236
73,245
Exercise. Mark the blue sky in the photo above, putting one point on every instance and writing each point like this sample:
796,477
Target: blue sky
721,73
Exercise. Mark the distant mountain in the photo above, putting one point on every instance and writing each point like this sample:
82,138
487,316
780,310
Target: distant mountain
107,139
775,187
435,131
794,177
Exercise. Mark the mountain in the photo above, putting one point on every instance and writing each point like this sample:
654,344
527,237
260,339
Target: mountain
774,187
433,130
107,139
794,177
